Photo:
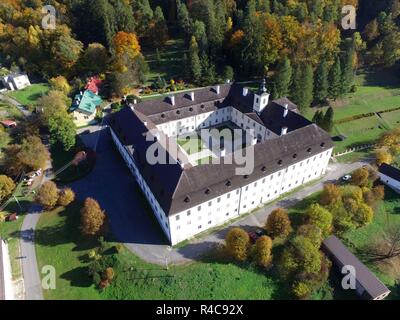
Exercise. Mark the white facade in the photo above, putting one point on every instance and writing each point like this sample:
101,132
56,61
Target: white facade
16,82
392,183
217,211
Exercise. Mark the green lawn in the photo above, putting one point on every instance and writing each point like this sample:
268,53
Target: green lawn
170,65
392,118
60,244
10,231
191,146
31,94
359,132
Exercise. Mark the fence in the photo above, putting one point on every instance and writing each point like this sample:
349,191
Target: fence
354,149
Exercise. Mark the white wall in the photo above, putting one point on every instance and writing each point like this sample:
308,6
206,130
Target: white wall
390,182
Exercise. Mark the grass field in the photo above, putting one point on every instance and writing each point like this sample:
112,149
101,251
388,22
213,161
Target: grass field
392,118
60,244
170,65
359,132
31,94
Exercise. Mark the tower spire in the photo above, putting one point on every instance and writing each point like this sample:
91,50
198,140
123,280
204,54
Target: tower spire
263,86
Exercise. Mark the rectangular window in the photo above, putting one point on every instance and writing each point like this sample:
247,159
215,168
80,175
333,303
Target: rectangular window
198,208
177,217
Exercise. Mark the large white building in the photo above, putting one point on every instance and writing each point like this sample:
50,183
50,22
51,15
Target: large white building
188,199
15,81
390,176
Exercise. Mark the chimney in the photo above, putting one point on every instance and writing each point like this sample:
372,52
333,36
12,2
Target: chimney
192,96
223,153
172,99
286,110
245,91
254,141
218,89
284,131
132,107
134,101
145,123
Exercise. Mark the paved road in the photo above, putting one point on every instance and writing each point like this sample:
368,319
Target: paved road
131,219
14,102
32,282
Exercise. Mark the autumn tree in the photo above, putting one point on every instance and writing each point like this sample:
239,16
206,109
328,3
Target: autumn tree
382,155
60,83
360,177
7,186
331,195
31,154
47,195
320,217
92,218
94,59
312,233
237,244
65,197
278,224
262,251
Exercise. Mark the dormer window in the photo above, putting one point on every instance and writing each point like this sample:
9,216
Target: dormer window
322,144
246,176
228,183
191,109
187,199
295,156
208,191
280,162
202,106
264,169
163,115
178,112
309,150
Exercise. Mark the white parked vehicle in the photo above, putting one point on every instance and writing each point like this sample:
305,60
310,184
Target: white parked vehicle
347,177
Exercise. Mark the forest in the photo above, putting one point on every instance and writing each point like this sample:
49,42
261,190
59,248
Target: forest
298,45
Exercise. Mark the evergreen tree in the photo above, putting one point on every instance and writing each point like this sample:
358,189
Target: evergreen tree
184,21
208,70
303,85
347,68
283,78
194,60
318,117
335,80
228,73
327,122
321,85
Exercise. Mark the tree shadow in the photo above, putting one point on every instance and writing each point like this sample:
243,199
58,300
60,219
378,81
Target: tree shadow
78,277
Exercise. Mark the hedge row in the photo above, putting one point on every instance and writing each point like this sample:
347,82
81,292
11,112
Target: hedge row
363,115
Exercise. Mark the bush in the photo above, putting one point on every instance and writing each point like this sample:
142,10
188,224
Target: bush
278,224
65,197
360,177
92,218
320,217
47,195
330,195
7,186
237,244
262,251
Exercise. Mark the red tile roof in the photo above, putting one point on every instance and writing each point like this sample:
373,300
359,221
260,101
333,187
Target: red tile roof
94,84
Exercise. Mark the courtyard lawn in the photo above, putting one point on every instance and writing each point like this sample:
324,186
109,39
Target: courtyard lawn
31,94
192,145
60,244
170,66
359,132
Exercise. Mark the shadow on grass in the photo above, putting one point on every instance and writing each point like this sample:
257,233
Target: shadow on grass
78,277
